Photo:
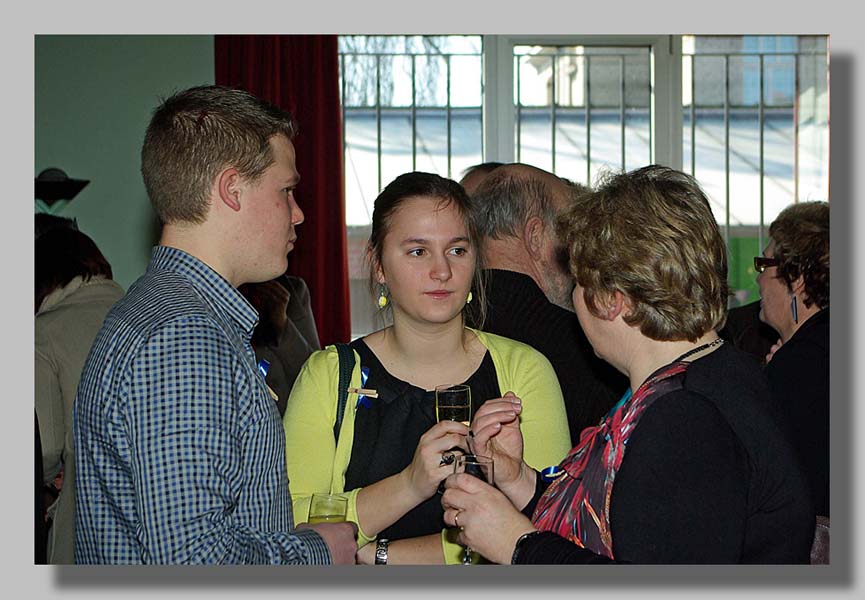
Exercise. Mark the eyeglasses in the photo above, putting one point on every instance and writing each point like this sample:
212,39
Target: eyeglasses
761,263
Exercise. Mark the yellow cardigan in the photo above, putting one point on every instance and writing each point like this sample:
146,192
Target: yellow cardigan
316,464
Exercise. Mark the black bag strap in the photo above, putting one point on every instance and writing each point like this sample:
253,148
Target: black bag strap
346,366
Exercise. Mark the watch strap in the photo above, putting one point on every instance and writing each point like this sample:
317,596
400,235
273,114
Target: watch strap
381,551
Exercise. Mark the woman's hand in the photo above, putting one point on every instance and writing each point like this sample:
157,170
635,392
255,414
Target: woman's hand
488,522
495,432
427,468
775,347
365,554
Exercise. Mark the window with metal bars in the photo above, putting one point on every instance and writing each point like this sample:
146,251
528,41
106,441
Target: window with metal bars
410,103
746,115
580,109
755,133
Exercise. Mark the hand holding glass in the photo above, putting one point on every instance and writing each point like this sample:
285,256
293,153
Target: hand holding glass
482,468
327,508
454,403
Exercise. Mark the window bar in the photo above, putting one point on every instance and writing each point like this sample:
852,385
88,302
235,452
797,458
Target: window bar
519,109
693,115
796,86
413,113
448,69
342,107
818,63
553,111
588,102
762,124
727,149
649,58
622,106
378,114
483,116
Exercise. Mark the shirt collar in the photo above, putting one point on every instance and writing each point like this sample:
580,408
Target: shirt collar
214,288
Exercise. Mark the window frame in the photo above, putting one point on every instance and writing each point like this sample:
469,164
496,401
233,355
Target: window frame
498,111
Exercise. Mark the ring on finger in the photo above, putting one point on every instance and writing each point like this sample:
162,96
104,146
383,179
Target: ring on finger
457,519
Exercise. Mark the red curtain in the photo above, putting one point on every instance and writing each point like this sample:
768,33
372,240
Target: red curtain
300,73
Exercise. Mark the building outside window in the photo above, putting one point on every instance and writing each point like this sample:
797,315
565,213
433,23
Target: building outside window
746,115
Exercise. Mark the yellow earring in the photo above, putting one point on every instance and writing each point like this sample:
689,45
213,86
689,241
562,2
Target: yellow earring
382,296
469,299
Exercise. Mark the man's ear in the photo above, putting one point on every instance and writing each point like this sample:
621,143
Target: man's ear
534,233
229,187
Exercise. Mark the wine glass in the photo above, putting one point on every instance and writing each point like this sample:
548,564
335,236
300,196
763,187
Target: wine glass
327,508
482,468
454,403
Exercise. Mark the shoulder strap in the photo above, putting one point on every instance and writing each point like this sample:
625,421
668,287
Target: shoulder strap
346,366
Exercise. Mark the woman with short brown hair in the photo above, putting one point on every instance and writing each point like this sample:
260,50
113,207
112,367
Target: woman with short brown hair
793,275
691,466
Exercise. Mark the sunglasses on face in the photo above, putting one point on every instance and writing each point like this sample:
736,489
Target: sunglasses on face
761,263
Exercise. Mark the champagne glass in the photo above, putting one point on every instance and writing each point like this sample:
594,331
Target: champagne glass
327,508
482,468
454,403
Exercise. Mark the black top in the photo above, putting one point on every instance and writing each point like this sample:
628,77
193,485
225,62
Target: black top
518,309
799,379
708,477
387,433
747,332
286,348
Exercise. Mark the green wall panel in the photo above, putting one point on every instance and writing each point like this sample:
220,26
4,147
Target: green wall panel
94,95
741,274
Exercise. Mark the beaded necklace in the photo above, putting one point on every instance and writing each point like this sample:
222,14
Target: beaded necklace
700,349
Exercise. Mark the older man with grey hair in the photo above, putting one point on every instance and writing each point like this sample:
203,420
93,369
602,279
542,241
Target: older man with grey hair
529,288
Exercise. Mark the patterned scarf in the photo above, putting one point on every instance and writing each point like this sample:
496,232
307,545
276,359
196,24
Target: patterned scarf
577,504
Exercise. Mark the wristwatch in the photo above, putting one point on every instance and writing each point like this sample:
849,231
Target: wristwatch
381,551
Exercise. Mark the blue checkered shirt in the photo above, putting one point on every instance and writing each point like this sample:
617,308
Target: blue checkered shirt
180,448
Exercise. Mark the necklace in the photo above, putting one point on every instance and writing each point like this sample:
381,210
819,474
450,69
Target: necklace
693,351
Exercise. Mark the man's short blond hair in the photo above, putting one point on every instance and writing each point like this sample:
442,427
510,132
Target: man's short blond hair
196,133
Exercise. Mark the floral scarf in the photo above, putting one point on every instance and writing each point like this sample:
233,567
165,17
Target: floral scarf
577,504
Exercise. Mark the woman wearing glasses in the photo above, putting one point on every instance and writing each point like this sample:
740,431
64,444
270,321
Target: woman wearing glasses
793,275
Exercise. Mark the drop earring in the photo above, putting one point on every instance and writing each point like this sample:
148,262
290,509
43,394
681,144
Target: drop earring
794,308
382,296
469,299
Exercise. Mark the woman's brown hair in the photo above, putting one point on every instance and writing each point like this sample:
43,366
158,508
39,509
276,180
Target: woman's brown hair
63,254
651,235
801,236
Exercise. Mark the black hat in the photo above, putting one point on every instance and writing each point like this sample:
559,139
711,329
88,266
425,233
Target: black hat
53,185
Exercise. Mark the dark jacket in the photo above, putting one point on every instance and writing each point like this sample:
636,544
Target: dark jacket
747,332
518,309
799,379
286,333
708,476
